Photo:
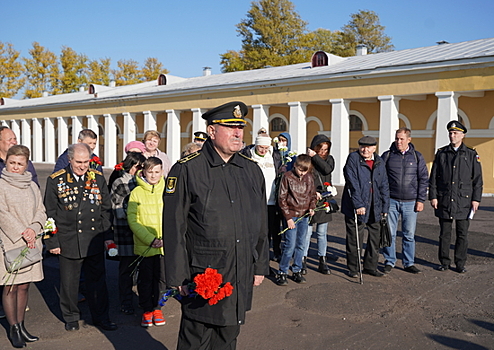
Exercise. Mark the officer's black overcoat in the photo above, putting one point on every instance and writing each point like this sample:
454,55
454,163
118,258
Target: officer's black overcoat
455,181
215,216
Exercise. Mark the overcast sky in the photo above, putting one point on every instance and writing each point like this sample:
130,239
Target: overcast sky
188,35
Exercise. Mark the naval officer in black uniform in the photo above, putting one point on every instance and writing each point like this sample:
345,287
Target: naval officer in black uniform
78,199
455,191
215,216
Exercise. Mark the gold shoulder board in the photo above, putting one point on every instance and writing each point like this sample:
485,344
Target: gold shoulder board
96,172
243,155
189,157
58,173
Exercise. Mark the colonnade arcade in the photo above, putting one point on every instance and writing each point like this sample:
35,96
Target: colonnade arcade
48,137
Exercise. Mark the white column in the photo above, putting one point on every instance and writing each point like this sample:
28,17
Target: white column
340,137
37,148
298,126
15,127
447,110
110,140
4,123
129,120
63,134
261,120
173,144
92,123
198,124
388,121
76,127
50,151
150,121
26,133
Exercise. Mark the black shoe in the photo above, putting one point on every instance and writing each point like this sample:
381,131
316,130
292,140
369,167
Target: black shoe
16,337
375,273
127,310
352,274
443,268
25,334
461,270
277,258
106,325
281,279
323,266
387,269
72,326
412,269
303,271
297,277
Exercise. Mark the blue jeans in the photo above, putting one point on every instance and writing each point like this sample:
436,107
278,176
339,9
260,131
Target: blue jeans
322,239
408,224
294,246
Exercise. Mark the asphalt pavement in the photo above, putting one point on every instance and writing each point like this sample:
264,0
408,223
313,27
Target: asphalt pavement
430,310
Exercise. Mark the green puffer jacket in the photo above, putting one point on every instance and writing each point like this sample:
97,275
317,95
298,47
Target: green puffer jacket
144,214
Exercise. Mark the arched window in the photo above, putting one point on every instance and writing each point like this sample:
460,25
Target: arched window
278,124
319,59
355,123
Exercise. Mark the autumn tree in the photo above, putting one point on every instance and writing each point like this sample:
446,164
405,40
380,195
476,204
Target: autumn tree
128,73
42,72
271,35
364,28
152,69
11,71
74,70
99,72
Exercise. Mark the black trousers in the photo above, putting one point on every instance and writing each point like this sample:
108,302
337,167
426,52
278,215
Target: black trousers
371,257
125,280
148,284
461,243
96,290
274,221
194,335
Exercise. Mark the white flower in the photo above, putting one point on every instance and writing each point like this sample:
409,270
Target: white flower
288,159
49,225
327,209
276,140
113,252
292,153
283,149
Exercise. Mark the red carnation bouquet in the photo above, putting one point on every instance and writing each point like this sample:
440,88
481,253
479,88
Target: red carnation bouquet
94,162
119,167
208,285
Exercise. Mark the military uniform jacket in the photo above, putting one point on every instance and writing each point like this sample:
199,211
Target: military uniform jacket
81,211
215,215
455,181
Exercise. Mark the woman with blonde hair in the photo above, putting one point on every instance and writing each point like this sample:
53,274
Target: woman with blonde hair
151,141
22,218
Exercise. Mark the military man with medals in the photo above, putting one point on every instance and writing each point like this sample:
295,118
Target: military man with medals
215,216
455,191
77,198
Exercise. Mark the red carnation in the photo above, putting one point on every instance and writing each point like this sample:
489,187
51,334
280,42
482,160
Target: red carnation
327,184
96,160
326,204
119,166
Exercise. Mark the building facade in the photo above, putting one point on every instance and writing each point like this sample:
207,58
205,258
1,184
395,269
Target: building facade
344,98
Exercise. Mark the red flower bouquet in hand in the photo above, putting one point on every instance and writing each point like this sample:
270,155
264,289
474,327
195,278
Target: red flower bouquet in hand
210,286
94,162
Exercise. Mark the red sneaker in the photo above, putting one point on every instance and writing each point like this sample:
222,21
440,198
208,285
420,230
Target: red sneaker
158,318
147,319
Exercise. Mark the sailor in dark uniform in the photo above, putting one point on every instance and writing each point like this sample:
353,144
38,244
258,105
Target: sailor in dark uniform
215,216
77,198
200,137
455,191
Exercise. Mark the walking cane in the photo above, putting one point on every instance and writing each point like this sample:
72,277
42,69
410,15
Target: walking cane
358,250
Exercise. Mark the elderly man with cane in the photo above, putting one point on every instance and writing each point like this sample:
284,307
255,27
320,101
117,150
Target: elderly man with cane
365,200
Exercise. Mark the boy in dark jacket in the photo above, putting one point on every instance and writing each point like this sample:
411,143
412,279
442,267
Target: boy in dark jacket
297,198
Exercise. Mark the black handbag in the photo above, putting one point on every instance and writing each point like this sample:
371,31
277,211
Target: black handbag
385,233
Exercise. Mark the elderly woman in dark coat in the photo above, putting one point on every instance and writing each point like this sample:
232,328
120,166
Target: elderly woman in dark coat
322,168
22,218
